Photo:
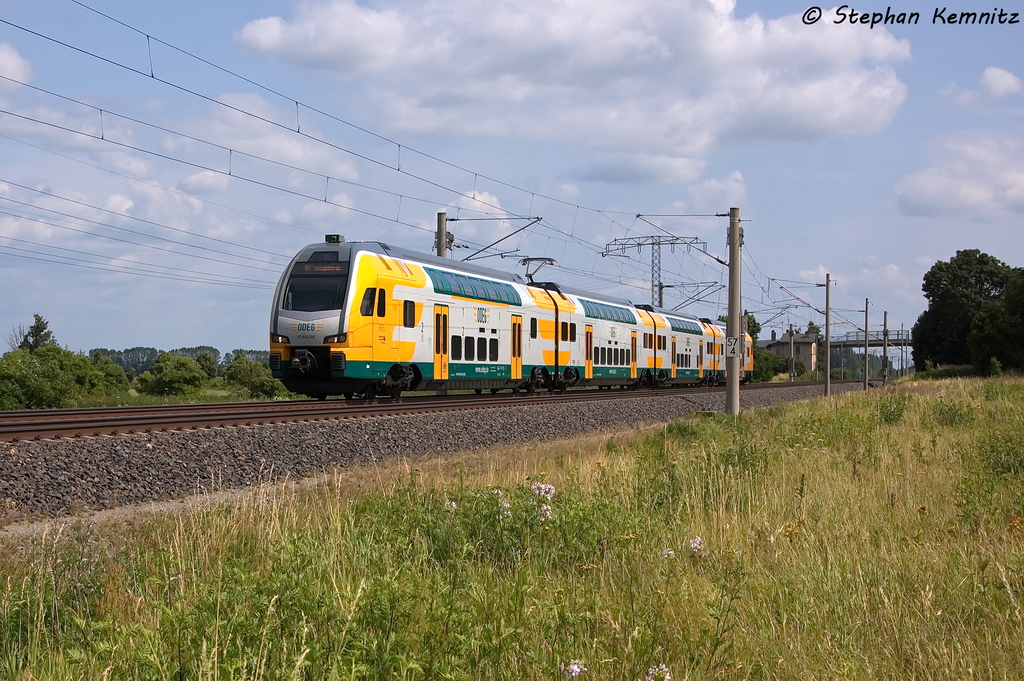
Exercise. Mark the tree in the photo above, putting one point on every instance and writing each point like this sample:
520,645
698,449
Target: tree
37,335
813,329
957,291
753,328
253,377
172,375
767,364
208,362
114,379
16,337
997,330
50,377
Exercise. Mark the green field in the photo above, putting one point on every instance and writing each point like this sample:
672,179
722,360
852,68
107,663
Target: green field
875,535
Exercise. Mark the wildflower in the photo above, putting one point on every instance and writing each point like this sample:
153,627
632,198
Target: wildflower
543,490
668,553
545,512
504,509
452,506
659,673
697,547
574,669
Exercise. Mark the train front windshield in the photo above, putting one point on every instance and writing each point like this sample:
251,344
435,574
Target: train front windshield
316,286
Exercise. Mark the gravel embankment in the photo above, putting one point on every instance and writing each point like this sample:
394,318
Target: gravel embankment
57,477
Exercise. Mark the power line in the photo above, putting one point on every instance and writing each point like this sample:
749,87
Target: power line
129,268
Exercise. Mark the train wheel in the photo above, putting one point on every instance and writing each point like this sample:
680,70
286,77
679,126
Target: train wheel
494,391
321,396
478,391
348,396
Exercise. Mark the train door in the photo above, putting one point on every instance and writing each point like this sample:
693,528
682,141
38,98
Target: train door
588,366
517,347
674,357
700,359
441,342
632,356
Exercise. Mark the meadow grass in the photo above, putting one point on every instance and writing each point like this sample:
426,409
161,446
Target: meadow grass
869,535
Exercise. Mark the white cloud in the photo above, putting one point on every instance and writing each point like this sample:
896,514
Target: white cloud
656,82
975,174
12,65
205,182
324,214
719,195
229,127
995,82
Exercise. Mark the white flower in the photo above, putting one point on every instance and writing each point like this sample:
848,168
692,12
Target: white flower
659,673
574,669
542,490
697,547
452,506
545,512
668,553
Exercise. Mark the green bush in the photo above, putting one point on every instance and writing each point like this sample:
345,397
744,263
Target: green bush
51,377
172,375
254,378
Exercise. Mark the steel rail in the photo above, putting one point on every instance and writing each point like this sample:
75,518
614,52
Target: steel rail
16,426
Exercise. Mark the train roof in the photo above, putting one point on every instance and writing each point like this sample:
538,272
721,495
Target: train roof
417,256
470,268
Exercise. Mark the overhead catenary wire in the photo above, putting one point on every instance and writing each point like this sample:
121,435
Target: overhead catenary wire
565,236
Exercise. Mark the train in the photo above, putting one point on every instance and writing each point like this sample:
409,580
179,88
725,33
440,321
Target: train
363,319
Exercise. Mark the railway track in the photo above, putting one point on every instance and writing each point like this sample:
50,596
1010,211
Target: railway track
16,426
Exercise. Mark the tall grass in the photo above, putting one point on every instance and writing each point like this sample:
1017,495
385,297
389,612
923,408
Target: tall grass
868,535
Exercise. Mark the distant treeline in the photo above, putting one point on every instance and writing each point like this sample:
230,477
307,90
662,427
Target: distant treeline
135,361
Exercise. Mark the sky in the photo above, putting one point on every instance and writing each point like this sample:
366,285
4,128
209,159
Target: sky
160,163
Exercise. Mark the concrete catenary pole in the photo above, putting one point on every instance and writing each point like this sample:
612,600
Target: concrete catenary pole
885,347
828,334
442,235
866,342
792,355
733,361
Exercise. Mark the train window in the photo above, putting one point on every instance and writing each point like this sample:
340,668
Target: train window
437,333
627,357
456,348
572,333
481,349
366,307
533,327
710,344
494,350
382,307
565,331
409,314
604,355
470,349
616,360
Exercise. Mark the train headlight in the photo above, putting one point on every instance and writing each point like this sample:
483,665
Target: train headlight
340,338
274,338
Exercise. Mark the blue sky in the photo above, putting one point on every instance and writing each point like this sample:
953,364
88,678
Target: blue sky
868,153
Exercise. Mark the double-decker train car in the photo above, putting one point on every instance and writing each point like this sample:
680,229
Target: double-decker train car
365,318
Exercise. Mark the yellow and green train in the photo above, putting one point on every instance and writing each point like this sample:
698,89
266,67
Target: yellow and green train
366,318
